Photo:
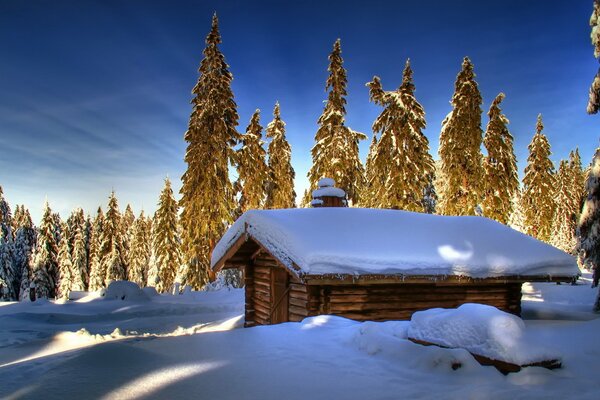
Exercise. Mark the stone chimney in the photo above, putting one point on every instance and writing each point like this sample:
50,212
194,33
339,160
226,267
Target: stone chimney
327,195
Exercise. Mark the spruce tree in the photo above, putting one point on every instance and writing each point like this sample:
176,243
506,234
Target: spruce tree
111,249
563,223
9,277
65,264
139,255
500,166
251,167
207,194
280,184
577,182
79,254
126,232
460,148
588,243
517,219
97,272
335,153
538,187
402,160
165,240
25,239
45,264
373,184
594,96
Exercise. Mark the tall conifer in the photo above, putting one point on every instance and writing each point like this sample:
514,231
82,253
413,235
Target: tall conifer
8,273
538,186
111,249
280,185
97,272
165,240
251,167
460,148
139,254
402,161
207,194
588,243
25,240
563,222
45,265
500,166
335,153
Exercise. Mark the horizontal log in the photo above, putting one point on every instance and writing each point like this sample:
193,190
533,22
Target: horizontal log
407,306
336,279
263,263
266,297
262,276
261,314
295,317
394,289
297,302
261,321
298,310
263,305
262,292
419,297
262,270
298,287
262,284
298,295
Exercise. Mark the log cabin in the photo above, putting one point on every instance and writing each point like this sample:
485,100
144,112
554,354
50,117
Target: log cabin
373,264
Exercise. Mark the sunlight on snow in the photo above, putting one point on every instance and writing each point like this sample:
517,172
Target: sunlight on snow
455,255
156,380
530,293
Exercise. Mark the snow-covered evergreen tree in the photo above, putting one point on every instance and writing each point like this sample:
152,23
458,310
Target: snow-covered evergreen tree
280,185
517,219
460,148
113,257
9,277
45,264
207,194
335,153
97,272
165,240
594,96
139,254
251,167
563,223
588,243
65,264
127,232
373,180
501,180
17,218
577,183
402,162
537,197
25,239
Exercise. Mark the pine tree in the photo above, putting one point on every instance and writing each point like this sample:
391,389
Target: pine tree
25,240
563,223
113,257
17,219
373,180
79,253
538,187
65,264
500,166
165,241
9,277
460,148
402,161
588,240
252,168
517,219
97,272
577,183
126,232
280,185
594,96
335,153
45,265
139,255
207,194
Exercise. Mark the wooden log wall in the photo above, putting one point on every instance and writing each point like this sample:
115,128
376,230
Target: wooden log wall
400,301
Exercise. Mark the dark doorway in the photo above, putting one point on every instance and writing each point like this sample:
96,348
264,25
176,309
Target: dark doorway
279,298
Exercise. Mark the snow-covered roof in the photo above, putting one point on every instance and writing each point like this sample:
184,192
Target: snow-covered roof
328,191
359,241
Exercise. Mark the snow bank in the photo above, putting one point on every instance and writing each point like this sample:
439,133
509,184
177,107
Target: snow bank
125,290
367,241
482,330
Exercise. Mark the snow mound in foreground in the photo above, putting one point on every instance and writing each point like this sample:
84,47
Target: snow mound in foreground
482,330
125,290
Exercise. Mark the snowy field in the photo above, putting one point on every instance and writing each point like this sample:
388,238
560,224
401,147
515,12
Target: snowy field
189,346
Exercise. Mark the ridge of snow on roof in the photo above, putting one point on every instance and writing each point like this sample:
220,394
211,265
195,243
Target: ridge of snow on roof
338,240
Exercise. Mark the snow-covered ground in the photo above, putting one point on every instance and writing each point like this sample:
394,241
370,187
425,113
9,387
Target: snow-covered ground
171,347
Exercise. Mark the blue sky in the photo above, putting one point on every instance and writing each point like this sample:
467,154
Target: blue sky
94,95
